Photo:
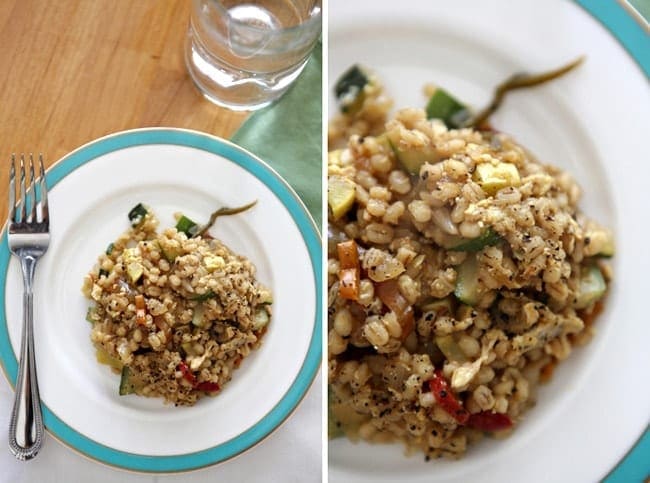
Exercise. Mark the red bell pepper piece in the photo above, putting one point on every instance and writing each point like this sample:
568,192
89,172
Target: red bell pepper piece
489,421
191,378
187,373
446,399
207,386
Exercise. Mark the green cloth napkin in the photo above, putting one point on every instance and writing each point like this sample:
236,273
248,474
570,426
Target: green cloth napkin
287,135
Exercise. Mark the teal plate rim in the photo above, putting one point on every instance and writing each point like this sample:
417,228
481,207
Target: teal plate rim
635,465
310,235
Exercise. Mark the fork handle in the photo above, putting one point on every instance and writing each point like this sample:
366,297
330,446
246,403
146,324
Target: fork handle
26,426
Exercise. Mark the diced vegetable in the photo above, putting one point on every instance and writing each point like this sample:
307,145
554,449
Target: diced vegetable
109,248
187,373
91,314
467,286
609,249
188,348
140,310
103,273
488,238
446,398
412,158
388,292
189,376
169,249
260,319
489,421
137,214
592,287
349,272
213,262
349,280
348,253
349,89
439,306
126,385
205,296
197,318
341,193
445,107
187,226
133,262
207,386
493,177
345,415
452,351
104,357
265,297
333,426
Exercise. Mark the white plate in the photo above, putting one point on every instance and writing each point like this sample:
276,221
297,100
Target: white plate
91,192
594,123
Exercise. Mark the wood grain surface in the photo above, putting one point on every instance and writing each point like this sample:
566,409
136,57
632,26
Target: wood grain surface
75,70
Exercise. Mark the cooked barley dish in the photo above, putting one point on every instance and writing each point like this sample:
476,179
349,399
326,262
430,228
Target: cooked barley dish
174,312
460,272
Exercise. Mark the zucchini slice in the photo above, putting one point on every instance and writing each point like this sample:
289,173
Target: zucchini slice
137,214
349,89
187,226
488,238
445,107
126,385
412,158
592,287
467,281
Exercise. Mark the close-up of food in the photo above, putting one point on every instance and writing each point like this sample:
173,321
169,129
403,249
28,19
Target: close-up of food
461,269
175,312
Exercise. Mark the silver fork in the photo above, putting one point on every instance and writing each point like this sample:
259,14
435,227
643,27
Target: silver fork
29,237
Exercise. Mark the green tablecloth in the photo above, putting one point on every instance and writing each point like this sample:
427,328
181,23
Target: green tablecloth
287,135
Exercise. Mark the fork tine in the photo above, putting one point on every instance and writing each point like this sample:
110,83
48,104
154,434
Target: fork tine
31,192
12,190
45,214
21,203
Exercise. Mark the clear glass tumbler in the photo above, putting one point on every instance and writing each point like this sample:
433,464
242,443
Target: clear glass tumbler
245,54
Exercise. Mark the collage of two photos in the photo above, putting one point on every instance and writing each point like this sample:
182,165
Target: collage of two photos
306,240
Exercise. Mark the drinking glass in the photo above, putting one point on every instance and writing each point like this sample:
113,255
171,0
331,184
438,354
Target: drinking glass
245,54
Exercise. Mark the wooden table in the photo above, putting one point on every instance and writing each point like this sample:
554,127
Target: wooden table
75,70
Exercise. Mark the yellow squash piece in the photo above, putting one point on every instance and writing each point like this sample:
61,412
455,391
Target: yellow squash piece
493,177
340,195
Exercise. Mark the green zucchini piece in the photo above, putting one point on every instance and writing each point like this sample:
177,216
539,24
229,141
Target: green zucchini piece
109,248
197,318
349,89
333,426
260,319
137,214
412,158
450,348
592,287
445,107
203,297
126,385
439,306
488,238
467,281
187,226
90,314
